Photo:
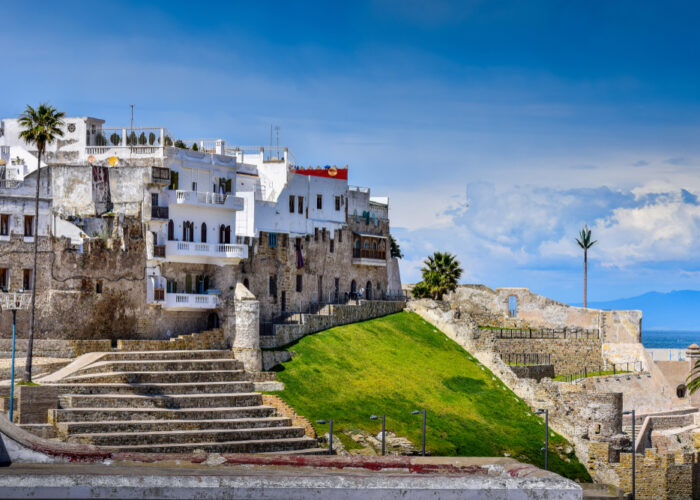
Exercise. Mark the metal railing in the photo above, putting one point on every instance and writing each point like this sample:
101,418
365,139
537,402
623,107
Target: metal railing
362,253
542,333
527,358
159,212
613,369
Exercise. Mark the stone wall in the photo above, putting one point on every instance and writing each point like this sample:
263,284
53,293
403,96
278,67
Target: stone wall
536,372
54,348
285,410
658,476
328,317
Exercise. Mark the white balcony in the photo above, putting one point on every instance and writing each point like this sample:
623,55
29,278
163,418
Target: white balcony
205,253
212,200
189,301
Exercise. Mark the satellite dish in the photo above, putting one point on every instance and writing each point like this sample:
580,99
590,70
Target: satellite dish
91,159
333,171
113,160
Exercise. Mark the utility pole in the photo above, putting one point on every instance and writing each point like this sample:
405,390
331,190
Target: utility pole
132,117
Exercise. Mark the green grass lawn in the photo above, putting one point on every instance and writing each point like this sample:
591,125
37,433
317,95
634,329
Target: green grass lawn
400,363
603,373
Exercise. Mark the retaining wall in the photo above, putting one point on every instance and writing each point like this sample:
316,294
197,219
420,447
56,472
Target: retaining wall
54,348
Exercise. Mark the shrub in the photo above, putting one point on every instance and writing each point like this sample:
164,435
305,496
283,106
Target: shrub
115,139
151,138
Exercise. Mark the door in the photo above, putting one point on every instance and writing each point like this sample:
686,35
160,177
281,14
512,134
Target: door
320,289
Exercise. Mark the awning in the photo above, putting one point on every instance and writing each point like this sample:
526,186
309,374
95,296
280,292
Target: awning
369,235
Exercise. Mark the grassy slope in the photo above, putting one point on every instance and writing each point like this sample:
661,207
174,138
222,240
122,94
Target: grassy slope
400,363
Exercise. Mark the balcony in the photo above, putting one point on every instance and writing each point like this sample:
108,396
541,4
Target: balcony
205,253
213,200
189,301
367,257
160,175
159,213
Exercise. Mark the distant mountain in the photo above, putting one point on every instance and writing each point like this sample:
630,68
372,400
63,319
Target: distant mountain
676,310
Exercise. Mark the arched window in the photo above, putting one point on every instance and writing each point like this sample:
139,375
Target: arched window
222,233
368,290
227,234
353,287
204,232
512,306
681,391
171,230
374,245
357,244
366,245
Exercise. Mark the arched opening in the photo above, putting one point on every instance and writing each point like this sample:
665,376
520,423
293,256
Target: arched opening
188,231
357,244
368,291
227,234
681,391
222,233
171,230
374,245
353,287
512,306
212,321
204,232
246,283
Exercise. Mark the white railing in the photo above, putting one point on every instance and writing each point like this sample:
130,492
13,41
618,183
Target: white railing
205,252
4,150
116,150
359,189
667,354
190,301
227,201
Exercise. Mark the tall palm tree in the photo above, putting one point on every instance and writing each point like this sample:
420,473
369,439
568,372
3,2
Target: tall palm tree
694,378
440,274
40,127
584,241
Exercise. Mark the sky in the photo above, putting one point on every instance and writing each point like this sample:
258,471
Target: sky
497,129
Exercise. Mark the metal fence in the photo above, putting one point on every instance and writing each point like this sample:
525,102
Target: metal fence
610,369
527,358
541,333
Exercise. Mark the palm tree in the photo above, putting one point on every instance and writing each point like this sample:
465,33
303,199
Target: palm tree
584,241
40,127
440,275
694,378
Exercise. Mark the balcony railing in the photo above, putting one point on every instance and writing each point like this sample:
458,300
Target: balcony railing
159,251
159,294
216,253
362,253
227,201
190,301
4,150
9,184
159,212
160,175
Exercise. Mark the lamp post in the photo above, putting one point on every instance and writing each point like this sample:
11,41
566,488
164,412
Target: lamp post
14,302
374,417
330,433
546,436
416,412
634,452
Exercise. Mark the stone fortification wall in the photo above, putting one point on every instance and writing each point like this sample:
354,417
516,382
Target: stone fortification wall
658,475
536,372
330,316
54,348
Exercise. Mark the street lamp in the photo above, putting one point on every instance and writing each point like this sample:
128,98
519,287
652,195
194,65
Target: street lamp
416,412
374,417
330,433
634,452
14,302
546,436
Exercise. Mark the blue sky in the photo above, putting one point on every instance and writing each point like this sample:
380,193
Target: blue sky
497,128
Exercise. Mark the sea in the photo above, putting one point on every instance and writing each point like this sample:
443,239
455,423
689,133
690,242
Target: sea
669,339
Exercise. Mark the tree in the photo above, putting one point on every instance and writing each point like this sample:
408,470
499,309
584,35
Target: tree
180,144
194,147
115,139
584,241
441,274
142,139
151,138
395,248
694,378
131,139
40,127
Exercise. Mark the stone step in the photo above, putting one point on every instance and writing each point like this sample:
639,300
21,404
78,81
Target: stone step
67,428
117,414
307,451
164,355
157,389
161,401
152,377
162,365
112,439
253,446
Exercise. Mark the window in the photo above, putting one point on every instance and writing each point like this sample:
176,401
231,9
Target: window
300,282
273,286
98,286
315,234
29,225
285,240
173,180
337,203
4,279
366,245
323,234
300,204
512,306
27,281
340,235
272,240
374,245
154,199
4,224
291,203
171,230
246,283
332,246
194,186
681,391
204,232
319,202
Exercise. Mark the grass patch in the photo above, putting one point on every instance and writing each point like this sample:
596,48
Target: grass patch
400,363
24,382
565,378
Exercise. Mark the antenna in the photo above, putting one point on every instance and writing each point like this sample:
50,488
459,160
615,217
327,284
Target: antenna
132,117
277,132
269,154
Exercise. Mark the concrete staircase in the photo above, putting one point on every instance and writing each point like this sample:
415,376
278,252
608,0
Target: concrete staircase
172,402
